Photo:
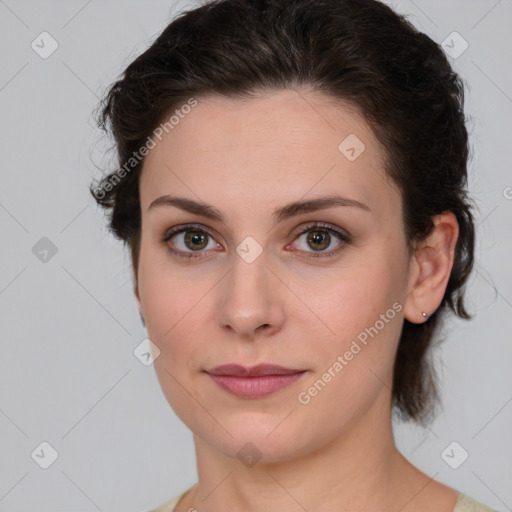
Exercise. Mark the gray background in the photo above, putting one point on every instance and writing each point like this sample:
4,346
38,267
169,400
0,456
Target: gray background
69,325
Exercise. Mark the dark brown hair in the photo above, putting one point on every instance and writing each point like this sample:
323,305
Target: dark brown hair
358,51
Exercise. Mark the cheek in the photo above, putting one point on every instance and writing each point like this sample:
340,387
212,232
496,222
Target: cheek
353,298
179,319
169,296
175,309
362,307
353,366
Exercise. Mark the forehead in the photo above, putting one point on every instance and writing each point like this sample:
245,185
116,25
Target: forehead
274,148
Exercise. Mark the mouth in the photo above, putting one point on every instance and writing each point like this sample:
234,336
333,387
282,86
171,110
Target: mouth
255,382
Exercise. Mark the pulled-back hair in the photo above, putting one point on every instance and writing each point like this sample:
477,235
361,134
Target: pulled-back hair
357,51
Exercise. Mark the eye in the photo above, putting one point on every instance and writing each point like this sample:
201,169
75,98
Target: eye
317,237
188,240
192,241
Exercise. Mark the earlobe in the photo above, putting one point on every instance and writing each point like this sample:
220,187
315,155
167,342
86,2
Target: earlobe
431,268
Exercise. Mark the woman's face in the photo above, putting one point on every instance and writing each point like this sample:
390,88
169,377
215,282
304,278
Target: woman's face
264,283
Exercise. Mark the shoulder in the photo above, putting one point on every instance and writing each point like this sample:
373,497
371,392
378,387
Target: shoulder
467,504
169,506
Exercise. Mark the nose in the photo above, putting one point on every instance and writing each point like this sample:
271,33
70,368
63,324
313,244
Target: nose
251,299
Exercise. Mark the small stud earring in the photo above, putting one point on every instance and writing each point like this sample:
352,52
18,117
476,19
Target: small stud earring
424,315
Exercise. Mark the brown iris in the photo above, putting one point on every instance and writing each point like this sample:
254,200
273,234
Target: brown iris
196,240
321,239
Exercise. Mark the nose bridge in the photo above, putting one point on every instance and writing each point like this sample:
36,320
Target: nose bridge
249,298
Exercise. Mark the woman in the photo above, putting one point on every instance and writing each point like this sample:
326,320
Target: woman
292,187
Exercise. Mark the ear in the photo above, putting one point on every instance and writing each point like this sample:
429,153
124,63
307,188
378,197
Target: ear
430,268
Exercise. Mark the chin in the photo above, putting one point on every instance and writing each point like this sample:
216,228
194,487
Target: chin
261,436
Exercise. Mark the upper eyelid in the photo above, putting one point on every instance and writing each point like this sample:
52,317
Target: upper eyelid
321,225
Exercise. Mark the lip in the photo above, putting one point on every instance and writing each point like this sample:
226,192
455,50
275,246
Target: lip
236,370
255,382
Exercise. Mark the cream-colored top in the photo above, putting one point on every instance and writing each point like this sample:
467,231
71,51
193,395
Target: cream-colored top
464,504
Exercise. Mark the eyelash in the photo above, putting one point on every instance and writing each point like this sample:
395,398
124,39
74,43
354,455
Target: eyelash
320,226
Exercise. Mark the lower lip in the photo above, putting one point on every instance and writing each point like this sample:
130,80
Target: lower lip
255,387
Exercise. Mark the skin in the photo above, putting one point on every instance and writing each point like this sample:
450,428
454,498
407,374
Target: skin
247,158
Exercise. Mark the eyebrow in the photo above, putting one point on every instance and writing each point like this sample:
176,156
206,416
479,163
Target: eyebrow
278,215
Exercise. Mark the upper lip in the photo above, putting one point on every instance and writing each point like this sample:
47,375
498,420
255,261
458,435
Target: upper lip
237,370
